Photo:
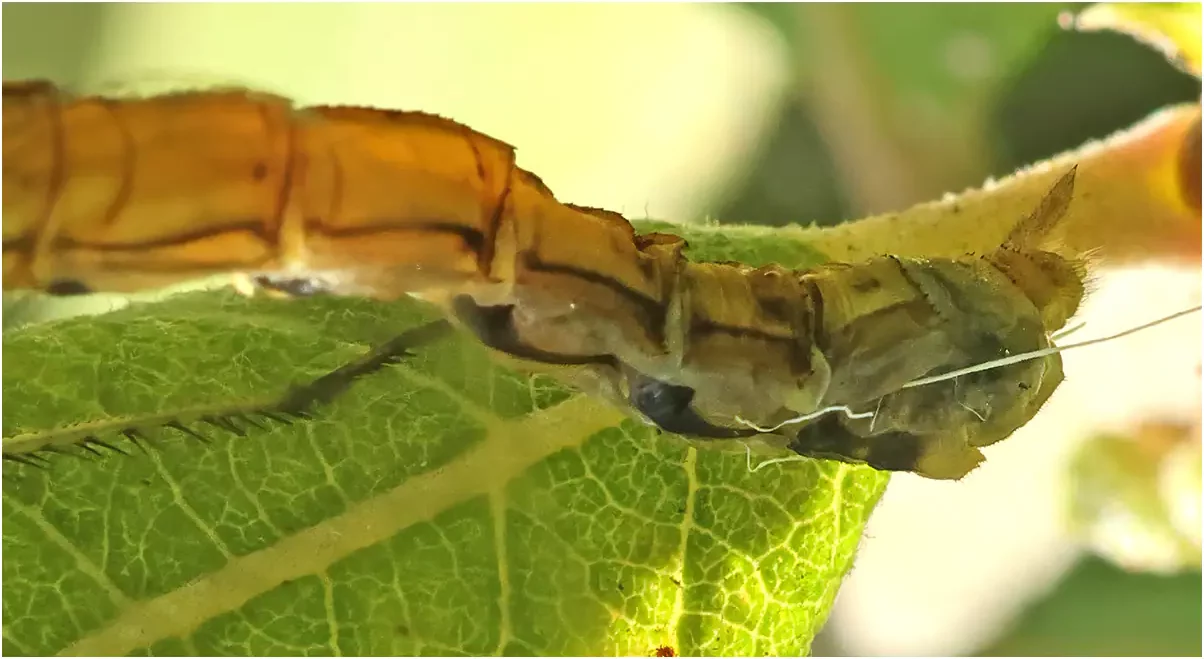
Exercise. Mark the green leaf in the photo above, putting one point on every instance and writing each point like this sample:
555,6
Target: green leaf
446,505
1100,610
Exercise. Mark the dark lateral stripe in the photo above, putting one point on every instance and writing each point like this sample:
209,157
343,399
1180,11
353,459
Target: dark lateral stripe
472,238
711,327
160,267
654,312
20,244
494,326
799,347
250,227
67,287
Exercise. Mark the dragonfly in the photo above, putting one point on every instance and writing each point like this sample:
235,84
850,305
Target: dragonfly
903,364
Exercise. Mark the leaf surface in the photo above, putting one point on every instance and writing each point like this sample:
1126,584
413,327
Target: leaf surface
447,505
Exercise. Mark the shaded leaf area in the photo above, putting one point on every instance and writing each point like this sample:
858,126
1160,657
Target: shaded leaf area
446,505
1099,610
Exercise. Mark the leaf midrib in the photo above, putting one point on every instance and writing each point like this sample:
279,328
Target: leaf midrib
508,450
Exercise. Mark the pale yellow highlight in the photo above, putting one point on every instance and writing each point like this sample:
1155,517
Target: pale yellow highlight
687,526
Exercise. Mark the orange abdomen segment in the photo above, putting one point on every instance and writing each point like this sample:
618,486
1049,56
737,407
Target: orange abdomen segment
31,172
399,201
122,195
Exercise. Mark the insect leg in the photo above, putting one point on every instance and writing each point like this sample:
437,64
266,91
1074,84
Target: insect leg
326,388
668,406
291,286
933,456
296,403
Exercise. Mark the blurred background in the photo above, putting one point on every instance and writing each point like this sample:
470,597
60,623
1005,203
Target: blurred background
779,114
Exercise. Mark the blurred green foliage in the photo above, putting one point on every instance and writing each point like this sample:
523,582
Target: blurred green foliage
75,29
1005,77
1082,86
1100,610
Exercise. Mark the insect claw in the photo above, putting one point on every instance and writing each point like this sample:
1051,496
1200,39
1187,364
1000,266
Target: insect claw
24,459
109,446
396,358
188,431
276,417
41,458
298,413
228,422
61,450
224,423
250,420
31,458
136,438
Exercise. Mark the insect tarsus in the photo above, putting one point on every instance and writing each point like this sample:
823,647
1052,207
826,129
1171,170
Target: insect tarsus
296,403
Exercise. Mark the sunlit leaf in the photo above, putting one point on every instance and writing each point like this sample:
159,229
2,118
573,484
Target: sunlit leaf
1171,27
444,506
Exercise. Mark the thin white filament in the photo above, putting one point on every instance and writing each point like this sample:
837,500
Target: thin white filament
1036,354
973,411
877,408
771,461
985,366
1067,331
808,417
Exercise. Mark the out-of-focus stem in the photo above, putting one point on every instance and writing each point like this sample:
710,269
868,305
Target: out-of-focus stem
846,102
1137,198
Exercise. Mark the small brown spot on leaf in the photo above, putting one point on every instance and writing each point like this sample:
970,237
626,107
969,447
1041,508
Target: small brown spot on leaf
666,651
